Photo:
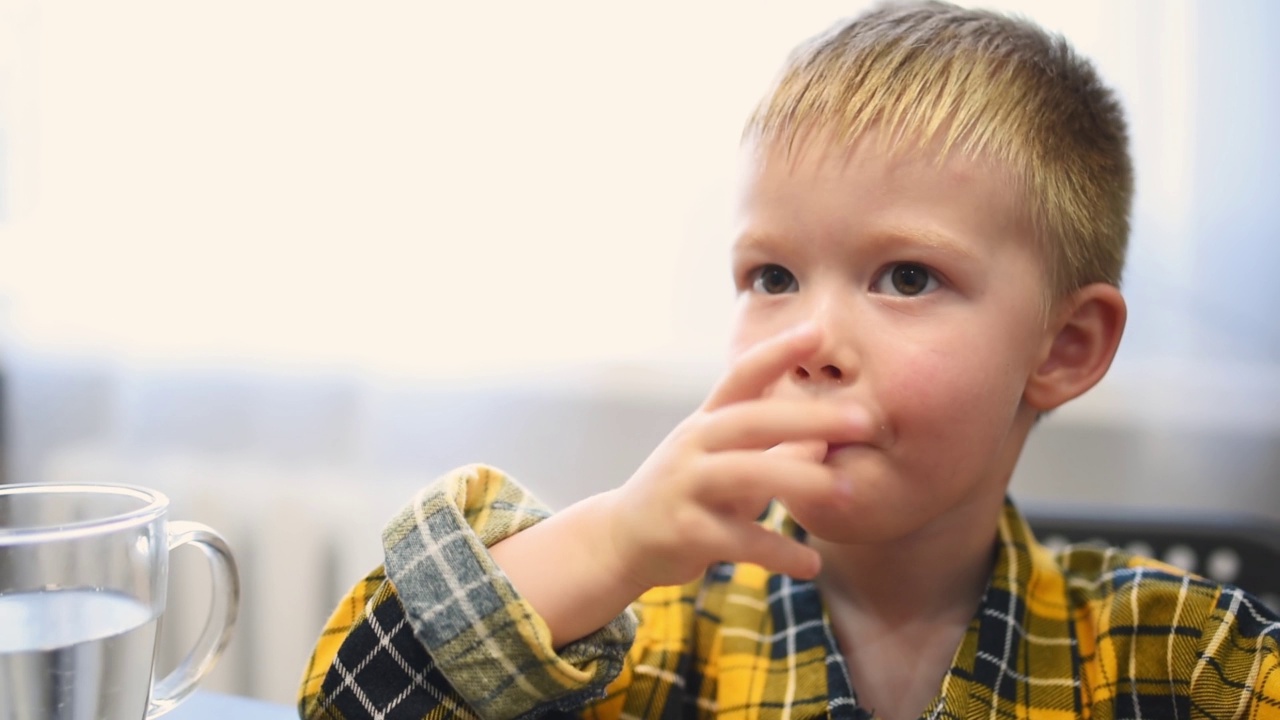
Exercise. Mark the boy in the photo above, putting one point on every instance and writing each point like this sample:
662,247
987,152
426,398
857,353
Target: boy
933,219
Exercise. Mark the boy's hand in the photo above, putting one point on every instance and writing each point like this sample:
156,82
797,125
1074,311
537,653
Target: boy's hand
696,499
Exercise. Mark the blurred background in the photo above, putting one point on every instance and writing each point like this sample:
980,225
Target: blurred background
288,261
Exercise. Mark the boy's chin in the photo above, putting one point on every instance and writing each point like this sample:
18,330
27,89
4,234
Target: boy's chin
841,526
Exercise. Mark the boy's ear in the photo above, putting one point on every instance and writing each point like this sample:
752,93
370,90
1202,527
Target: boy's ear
1079,346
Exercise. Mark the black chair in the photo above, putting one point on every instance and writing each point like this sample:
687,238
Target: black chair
1240,549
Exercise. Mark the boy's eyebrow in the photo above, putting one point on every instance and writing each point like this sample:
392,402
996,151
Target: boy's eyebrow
750,242
928,238
917,236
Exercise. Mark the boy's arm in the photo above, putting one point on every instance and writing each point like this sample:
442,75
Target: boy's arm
441,632
524,629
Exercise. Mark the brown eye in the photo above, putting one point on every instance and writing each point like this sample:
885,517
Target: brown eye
909,278
774,280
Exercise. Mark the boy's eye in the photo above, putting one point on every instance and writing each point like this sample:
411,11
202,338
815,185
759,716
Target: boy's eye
907,279
773,280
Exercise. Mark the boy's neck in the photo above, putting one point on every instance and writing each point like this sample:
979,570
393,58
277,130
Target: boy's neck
937,575
899,612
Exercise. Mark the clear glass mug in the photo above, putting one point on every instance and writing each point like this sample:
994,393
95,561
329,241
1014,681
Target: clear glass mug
83,576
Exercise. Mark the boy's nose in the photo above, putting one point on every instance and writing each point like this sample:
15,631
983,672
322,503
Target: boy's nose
834,364
836,361
823,373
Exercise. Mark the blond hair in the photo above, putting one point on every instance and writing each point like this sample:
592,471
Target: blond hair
988,85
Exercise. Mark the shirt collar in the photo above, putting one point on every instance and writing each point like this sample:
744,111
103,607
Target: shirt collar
1025,595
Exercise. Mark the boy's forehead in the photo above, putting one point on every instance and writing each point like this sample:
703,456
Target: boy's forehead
829,185
783,168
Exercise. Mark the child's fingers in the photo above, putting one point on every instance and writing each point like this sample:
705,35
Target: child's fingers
764,424
746,479
808,450
756,544
762,365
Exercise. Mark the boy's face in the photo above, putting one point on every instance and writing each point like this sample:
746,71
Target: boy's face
926,287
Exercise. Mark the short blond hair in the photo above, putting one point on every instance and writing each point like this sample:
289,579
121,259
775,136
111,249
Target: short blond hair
986,84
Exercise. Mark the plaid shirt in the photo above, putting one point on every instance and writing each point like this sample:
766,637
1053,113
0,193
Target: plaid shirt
438,632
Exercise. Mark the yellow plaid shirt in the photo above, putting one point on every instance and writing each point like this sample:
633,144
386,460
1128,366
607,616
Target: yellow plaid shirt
439,632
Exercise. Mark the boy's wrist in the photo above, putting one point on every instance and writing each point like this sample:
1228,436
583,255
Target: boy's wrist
567,569
613,556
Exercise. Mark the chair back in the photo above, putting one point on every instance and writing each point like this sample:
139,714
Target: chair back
1243,550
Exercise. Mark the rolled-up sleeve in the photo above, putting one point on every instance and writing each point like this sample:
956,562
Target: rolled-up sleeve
443,632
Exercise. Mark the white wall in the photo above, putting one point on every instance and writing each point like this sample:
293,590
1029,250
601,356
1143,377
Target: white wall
441,189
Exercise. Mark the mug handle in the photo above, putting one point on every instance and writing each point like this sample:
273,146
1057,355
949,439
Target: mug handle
182,680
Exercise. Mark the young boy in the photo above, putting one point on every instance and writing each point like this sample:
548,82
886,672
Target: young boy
932,225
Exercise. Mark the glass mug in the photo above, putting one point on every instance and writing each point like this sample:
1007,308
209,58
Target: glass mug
83,576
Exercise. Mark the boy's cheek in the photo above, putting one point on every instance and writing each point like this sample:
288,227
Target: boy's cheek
751,327
952,401
743,339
